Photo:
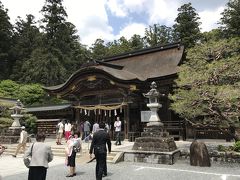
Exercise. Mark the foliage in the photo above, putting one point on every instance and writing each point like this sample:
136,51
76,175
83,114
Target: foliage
213,35
236,146
159,35
230,20
187,25
225,148
209,85
28,94
98,49
5,122
44,67
136,42
30,123
26,38
8,88
5,41
62,44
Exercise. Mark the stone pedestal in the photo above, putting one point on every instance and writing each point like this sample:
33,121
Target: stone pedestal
154,139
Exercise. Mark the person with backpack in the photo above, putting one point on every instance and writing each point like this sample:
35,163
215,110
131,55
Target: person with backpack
74,145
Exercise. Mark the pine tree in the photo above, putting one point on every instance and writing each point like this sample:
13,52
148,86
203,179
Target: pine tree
209,85
26,38
187,25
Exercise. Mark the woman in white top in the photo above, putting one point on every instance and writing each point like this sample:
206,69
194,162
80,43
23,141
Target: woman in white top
67,129
74,145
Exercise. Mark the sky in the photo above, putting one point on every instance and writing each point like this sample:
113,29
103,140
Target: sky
111,19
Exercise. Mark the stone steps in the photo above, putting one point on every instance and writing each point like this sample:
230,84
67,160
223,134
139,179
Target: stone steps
60,152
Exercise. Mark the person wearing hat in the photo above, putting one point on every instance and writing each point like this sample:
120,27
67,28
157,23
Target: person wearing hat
22,141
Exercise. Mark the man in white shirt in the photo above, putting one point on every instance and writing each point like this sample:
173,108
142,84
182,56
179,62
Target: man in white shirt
117,125
22,141
60,128
95,127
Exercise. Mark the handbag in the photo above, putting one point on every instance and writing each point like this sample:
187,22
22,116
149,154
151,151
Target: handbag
76,149
27,160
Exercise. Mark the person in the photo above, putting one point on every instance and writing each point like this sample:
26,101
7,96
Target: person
98,146
41,154
60,127
86,128
117,125
22,141
67,129
2,149
107,128
95,127
73,146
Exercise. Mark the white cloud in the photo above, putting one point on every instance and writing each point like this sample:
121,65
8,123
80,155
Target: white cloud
117,8
209,19
163,12
131,29
91,20
23,7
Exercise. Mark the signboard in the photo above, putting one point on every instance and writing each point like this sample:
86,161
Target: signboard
145,116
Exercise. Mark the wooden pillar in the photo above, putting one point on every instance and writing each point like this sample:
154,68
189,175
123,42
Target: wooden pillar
126,121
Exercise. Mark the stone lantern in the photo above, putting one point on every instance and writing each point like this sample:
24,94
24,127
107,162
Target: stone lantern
154,138
153,96
16,115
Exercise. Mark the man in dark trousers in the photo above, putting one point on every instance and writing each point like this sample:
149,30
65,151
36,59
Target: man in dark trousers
98,145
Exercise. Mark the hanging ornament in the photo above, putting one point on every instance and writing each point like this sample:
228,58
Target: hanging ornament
81,111
94,111
88,112
121,109
85,111
99,111
115,112
110,113
105,113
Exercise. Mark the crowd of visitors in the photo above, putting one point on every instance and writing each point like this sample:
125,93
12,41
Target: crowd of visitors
40,154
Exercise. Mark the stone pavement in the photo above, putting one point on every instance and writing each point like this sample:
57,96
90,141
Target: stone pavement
11,168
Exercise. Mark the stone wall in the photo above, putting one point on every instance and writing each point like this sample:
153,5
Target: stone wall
152,157
217,156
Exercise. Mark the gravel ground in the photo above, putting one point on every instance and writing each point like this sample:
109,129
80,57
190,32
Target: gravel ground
141,171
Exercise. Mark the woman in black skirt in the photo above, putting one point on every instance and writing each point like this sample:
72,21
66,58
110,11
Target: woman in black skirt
73,146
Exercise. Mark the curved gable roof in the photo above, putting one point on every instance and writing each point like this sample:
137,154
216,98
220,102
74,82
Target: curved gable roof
136,66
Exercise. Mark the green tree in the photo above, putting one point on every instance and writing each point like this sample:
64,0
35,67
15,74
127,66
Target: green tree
5,42
44,67
98,49
213,35
8,88
61,39
230,20
136,42
120,46
29,94
208,91
26,38
159,35
187,25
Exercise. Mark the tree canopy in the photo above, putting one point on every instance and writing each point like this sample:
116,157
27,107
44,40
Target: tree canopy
209,84
230,20
187,25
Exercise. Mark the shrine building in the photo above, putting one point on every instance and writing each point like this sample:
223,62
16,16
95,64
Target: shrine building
114,86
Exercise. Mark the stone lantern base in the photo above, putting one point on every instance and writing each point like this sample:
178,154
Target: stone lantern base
154,139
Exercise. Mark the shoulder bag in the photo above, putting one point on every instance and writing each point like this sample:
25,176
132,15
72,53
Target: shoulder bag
27,160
